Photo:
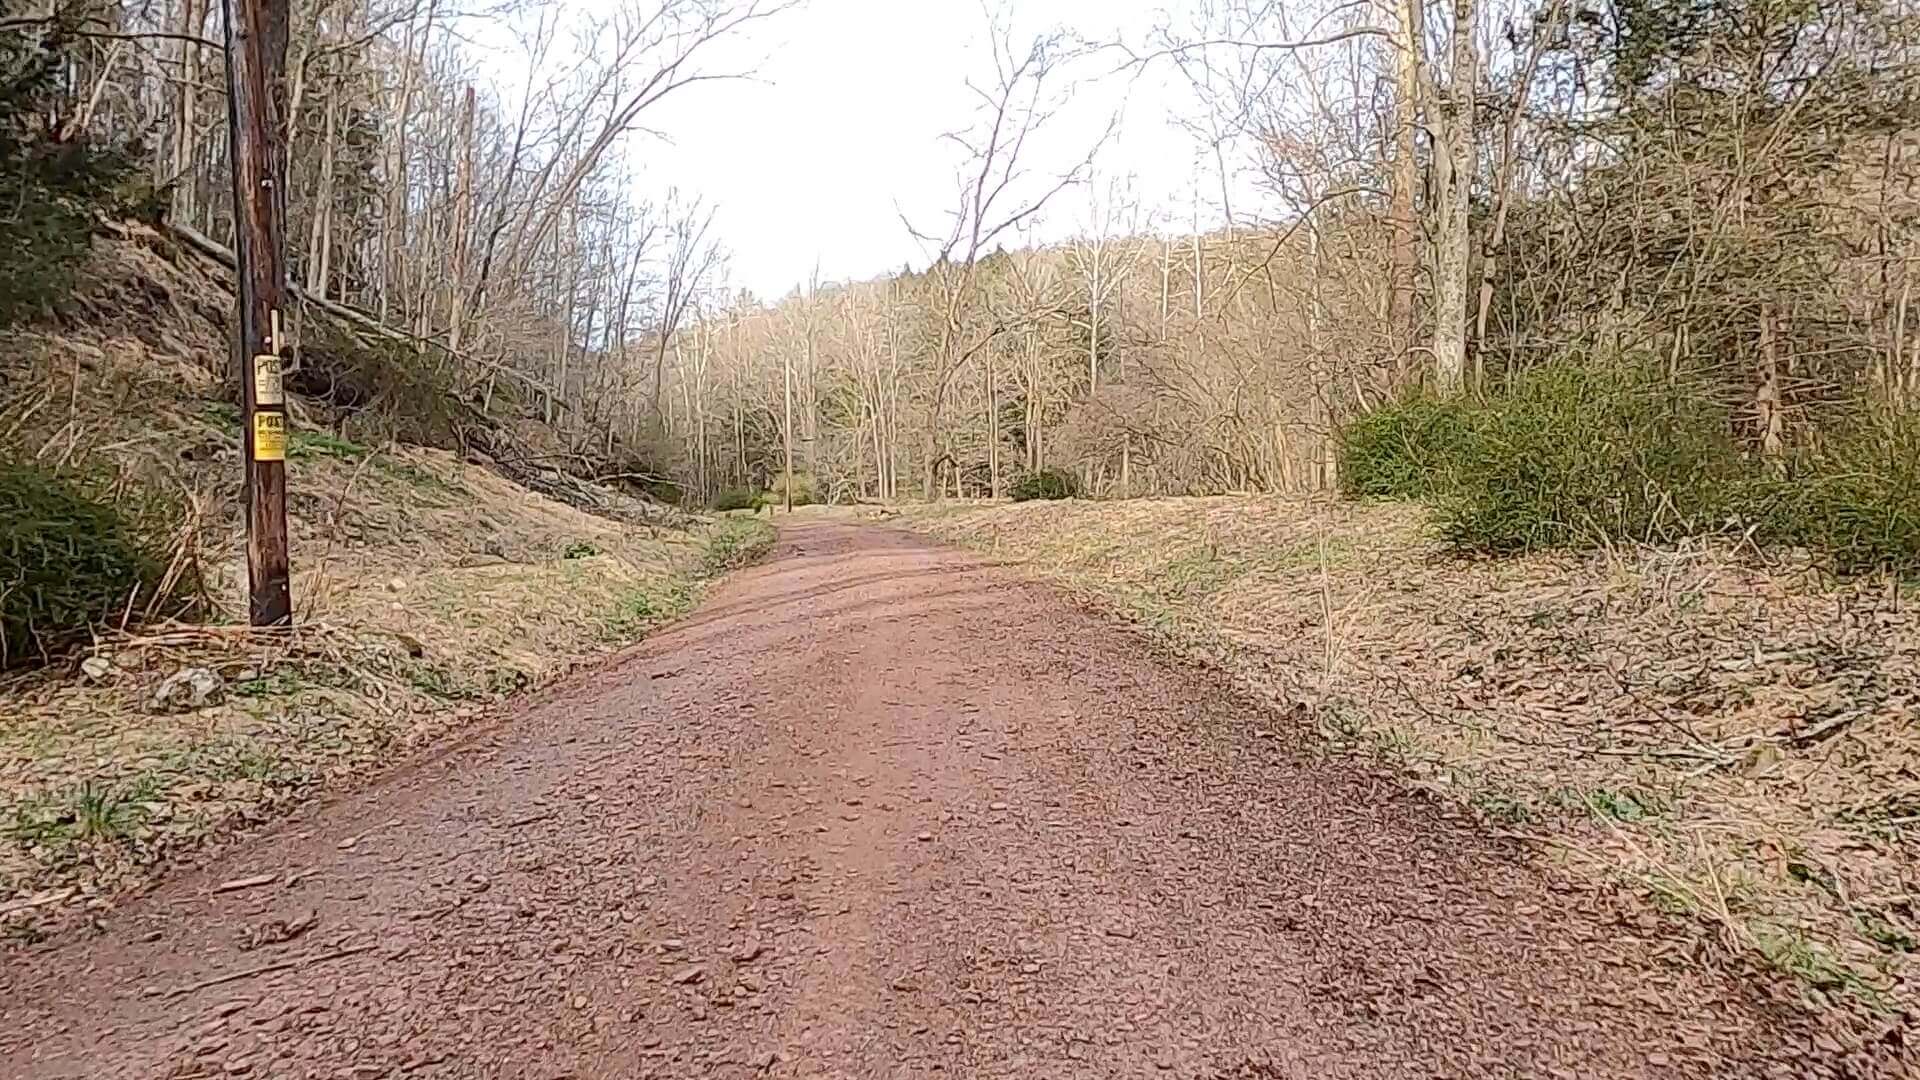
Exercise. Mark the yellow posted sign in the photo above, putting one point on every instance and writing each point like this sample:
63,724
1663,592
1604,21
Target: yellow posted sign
269,436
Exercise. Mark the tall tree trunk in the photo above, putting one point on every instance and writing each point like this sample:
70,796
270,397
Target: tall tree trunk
394,229
1404,258
879,450
1768,418
930,446
1199,275
564,338
659,371
1036,404
191,16
786,430
319,228
993,431
1453,177
810,412
462,226
1093,325
739,432
1166,285
1545,34
946,361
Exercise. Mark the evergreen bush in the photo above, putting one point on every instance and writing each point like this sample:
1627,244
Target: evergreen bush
1583,455
1046,484
1407,450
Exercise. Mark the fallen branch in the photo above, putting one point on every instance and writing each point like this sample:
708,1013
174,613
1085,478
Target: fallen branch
223,255
52,896
650,478
480,437
266,969
246,883
172,634
1821,731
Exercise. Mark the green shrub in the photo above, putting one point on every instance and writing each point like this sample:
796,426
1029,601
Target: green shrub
1408,450
1583,455
734,542
1046,484
736,499
1856,500
384,389
581,549
71,558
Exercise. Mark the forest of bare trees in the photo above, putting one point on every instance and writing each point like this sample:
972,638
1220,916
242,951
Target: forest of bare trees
1449,194
1468,191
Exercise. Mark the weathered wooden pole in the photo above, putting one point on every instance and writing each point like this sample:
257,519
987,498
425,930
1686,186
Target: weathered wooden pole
786,364
256,87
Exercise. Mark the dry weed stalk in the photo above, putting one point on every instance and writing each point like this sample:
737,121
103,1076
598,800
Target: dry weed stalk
184,551
1330,656
318,590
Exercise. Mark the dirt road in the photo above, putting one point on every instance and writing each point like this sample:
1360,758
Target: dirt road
878,811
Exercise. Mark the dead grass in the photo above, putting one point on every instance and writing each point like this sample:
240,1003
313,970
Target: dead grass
1737,741
405,635
426,589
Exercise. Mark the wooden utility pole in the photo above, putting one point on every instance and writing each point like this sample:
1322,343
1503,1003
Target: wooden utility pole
256,68
787,366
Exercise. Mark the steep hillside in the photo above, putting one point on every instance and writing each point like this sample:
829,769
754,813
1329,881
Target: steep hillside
427,585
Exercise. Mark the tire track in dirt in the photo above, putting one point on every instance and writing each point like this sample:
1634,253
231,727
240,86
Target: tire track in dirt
875,811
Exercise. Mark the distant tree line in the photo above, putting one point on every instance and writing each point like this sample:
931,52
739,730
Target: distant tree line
1723,192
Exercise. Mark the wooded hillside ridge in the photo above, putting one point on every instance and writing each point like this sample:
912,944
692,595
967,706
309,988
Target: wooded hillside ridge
456,540
494,235
1450,196
1721,193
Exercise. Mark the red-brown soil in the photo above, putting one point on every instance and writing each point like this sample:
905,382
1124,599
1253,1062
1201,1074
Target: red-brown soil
878,810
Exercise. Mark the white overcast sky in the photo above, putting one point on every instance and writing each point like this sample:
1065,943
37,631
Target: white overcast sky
817,158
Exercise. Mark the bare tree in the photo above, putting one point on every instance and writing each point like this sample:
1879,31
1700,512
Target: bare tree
692,258
1103,255
1409,74
1453,172
1014,108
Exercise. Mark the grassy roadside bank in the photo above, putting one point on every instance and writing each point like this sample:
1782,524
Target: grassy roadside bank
428,585
1735,742
105,776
